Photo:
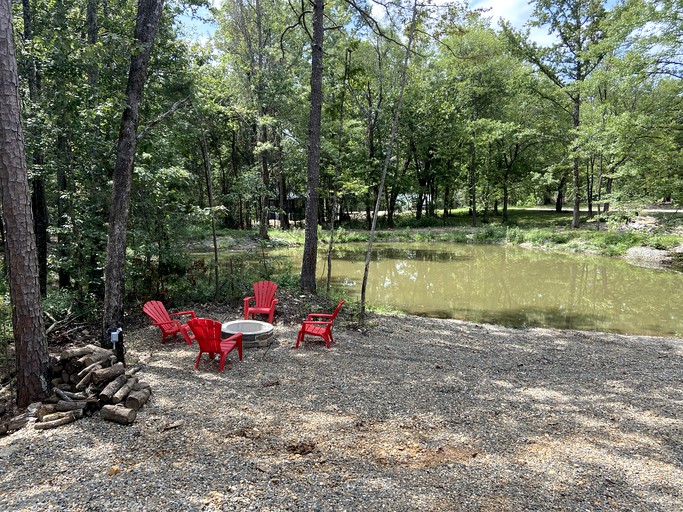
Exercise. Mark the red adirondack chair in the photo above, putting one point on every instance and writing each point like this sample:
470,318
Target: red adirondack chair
264,301
210,339
162,319
321,328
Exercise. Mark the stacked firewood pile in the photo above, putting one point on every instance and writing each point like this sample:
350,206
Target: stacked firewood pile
87,379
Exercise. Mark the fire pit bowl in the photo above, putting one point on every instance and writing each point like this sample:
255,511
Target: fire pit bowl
254,332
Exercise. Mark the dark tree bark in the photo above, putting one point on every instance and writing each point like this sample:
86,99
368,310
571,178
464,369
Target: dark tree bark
20,246
148,16
282,194
559,201
309,261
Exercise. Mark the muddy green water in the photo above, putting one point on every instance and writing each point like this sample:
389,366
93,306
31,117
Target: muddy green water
511,286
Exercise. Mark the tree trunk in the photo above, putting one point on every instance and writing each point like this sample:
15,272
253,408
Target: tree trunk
608,191
284,214
576,183
148,16
309,261
387,160
506,199
265,180
337,170
559,201
590,164
209,194
20,247
473,183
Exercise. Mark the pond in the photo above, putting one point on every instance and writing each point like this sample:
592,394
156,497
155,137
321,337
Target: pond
510,286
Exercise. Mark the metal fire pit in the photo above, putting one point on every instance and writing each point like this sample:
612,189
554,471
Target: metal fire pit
254,332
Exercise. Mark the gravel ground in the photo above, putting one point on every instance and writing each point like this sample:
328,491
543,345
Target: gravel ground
412,414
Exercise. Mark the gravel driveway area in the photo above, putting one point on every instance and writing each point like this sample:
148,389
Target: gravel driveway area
412,414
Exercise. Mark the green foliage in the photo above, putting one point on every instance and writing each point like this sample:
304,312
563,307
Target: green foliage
489,234
663,242
473,110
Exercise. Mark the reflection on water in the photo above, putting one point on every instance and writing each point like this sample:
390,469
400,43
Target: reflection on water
512,286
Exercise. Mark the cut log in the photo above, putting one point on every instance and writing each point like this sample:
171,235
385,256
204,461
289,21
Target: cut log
52,399
136,399
108,374
70,353
75,396
62,395
68,418
99,361
76,414
109,360
110,389
106,359
70,406
118,414
83,383
45,410
122,393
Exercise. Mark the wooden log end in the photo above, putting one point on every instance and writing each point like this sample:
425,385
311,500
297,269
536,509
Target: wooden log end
117,414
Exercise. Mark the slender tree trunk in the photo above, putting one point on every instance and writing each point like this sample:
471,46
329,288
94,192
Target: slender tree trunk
309,261
284,213
589,185
576,183
209,194
506,198
20,247
265,179
608,191
559,200
148,16
387,159
63,211
473,183
337,170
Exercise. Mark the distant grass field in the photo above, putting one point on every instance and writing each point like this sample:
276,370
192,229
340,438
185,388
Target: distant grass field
610,234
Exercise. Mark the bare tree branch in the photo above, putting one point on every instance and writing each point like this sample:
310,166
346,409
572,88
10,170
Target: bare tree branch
161,118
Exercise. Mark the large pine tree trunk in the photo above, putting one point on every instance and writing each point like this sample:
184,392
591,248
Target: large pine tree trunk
20,246
309,261
148,16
